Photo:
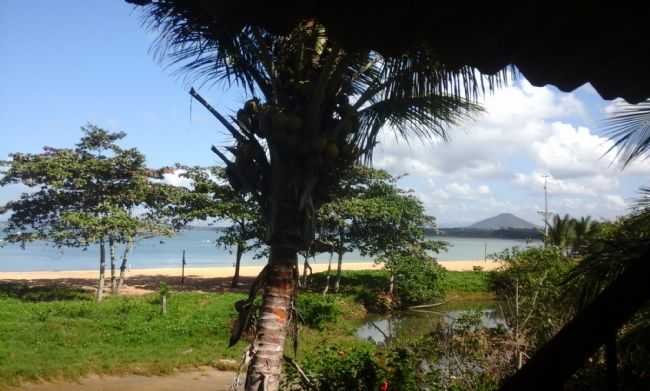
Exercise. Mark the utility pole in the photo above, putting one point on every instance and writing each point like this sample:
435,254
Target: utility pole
545,212
545,207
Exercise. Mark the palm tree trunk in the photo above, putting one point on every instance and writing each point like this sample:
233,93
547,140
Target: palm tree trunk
266,364
338,273
111,250
240,252
120,281
102,270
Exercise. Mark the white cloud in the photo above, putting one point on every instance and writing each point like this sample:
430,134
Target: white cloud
496,162
616,201
175,179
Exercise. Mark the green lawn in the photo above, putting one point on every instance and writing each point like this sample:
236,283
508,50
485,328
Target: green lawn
466,282
455,282
47,333
50,333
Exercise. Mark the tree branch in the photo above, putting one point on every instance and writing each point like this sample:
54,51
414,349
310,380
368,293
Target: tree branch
235,133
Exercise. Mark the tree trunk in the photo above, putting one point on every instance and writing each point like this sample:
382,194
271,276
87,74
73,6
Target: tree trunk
102,270
120,281
338,273
240,252
327,276
305,277
391,284
111,250
266,364
163,304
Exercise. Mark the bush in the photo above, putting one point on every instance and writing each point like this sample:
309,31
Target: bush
418,278
334,368
315,310
538,277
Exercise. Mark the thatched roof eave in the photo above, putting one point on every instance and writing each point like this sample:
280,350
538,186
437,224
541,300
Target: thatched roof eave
564,44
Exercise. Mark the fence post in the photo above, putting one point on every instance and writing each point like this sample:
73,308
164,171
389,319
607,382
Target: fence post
183,270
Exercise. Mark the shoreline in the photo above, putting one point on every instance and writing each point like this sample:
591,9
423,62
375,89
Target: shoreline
226,271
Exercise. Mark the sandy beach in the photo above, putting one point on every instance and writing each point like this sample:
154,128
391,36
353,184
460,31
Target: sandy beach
220,271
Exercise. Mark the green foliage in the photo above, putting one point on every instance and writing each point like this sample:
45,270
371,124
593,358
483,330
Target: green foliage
335,368
419,279
83,195
466,282
317,310
537,277
606,254
570,234
163,290
211,197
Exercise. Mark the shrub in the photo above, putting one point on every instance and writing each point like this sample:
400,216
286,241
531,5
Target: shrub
334,368
537,276
418,278
315,310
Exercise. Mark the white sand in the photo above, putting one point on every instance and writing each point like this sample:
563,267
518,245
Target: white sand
223,271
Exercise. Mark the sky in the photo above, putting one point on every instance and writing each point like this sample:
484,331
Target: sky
68,63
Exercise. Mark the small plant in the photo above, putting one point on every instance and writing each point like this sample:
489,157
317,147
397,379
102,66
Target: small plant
337,368
164,294
477,268
316,310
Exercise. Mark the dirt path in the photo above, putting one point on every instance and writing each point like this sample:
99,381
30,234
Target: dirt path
207,379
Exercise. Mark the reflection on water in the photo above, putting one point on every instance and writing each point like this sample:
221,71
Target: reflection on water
381,329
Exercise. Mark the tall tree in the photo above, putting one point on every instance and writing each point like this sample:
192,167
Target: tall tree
337,220
211,197
81,196
316,110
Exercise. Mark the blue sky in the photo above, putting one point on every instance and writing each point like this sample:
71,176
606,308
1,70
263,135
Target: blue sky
66,63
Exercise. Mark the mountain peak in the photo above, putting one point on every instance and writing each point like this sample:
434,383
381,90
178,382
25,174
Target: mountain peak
501,221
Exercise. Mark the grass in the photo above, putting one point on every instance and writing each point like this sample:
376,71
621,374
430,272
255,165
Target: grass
467,282
63,333
455,281
48,333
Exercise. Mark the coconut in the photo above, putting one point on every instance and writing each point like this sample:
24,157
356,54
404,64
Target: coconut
251,106
244,118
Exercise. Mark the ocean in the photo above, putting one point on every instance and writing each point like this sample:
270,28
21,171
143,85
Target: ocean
201,251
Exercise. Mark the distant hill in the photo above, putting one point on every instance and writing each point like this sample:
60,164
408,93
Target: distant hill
503,221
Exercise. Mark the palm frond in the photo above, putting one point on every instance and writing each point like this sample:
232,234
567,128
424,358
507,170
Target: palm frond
423,117
629,127
212,53
643,203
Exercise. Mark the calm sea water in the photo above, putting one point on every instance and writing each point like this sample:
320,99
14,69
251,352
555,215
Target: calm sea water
200,251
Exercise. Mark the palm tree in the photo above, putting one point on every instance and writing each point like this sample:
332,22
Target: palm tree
315,110
581,229
560,231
